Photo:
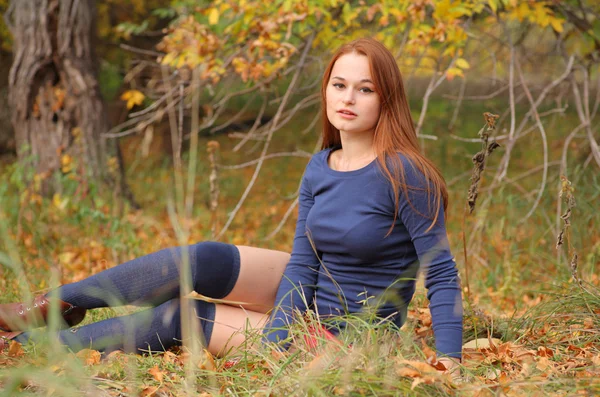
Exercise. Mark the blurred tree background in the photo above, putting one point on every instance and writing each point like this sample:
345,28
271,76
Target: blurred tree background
140,87
206,113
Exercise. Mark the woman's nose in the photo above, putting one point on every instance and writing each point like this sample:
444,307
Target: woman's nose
348,97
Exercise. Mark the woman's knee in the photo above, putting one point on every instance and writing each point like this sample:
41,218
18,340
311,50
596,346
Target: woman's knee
215,268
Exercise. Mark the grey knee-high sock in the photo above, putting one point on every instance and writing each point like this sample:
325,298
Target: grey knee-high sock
155,329
154,278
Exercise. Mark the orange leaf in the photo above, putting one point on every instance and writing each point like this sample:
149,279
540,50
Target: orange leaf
207,361
408,372
15,349
156,373
149,391
89,356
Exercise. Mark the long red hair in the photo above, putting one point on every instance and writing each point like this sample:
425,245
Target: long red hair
395,132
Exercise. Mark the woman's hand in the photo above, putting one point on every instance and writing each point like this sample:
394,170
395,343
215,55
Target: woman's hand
452,366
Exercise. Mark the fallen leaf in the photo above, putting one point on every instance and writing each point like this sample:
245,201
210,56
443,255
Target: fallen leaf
89,356
15,349
156,373
149,391
206,361
169,357
544,352
482,343
408,372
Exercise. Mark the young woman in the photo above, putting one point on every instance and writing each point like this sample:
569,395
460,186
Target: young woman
371,215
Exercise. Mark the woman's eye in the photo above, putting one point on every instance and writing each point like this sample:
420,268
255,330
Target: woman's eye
366,89
338,85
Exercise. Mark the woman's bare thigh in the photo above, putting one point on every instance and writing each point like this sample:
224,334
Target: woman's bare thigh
261,271
232,325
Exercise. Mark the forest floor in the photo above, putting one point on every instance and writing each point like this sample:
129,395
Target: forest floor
531,328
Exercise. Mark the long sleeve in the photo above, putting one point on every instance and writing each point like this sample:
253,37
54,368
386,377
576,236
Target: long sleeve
432,248
297,286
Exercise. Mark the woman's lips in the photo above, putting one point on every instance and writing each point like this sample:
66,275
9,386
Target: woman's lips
346,114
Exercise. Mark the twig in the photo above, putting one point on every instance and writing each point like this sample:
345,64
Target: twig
283,220
153,106
141,51
193,150
583,111
234,118
298,153
459,101
255,126
433,84
513,115
177,171
312,124
479,97
544,142
212,148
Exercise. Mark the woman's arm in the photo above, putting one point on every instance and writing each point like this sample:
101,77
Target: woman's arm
297,286
436,261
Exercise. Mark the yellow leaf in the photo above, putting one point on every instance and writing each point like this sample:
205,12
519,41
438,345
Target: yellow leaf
133,97
557,24
493,5
462,63
66,164
213,16
451,73
59,202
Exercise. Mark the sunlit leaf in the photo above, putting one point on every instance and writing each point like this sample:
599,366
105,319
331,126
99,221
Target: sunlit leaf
462,63
213,16
133,98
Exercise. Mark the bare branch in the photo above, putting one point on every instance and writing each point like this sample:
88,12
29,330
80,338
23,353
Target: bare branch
479,97
312,124
283,220
308,45
433,84
171,103
257,122
298,153
459,101
140,51
544,142
153,106
582,113
234,118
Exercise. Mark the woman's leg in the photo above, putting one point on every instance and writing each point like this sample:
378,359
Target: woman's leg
259,276
153,279
154,329
231,325
244,276
157,329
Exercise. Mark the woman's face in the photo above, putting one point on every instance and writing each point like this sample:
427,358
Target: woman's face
352,104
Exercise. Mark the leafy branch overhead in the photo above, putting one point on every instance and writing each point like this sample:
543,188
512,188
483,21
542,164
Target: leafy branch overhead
255,39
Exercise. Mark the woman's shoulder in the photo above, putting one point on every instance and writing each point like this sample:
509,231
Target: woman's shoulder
411,167
318,159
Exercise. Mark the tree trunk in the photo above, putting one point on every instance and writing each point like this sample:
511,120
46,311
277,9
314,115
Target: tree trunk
57,110
7,135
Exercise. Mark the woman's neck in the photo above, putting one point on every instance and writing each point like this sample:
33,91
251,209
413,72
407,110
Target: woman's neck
357,151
